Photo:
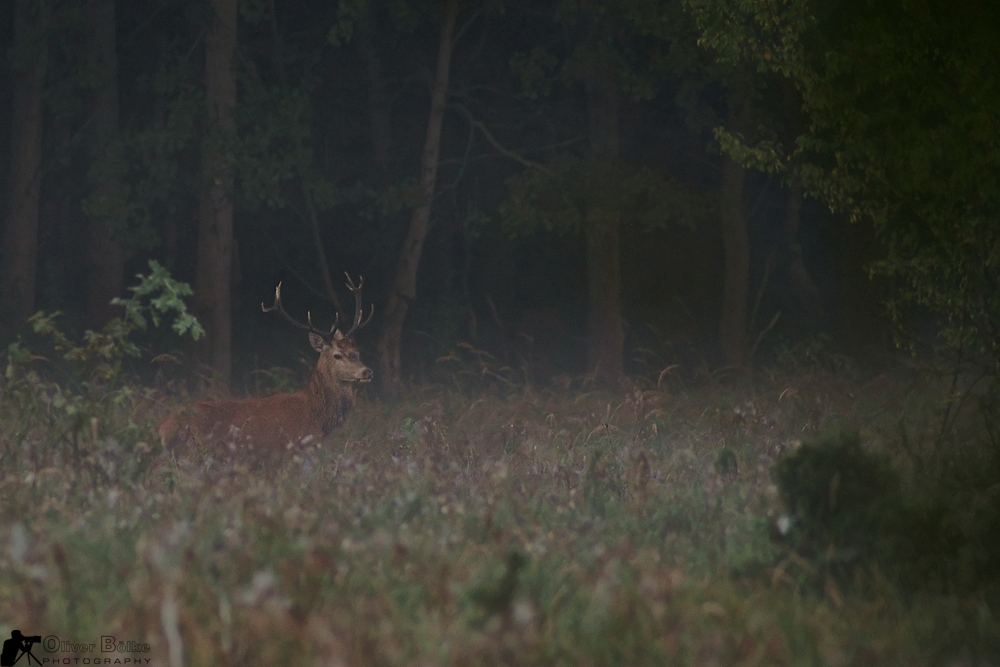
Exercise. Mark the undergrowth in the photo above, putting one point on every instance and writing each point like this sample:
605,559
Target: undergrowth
74,405
489,522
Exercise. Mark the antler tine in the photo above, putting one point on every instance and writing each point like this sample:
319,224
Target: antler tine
350,283
281,310
358,311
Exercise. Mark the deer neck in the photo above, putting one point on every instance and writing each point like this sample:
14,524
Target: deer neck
329,400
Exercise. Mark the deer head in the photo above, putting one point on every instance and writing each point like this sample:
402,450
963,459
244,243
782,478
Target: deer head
338,358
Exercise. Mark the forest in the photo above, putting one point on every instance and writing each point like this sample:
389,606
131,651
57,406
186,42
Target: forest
682,320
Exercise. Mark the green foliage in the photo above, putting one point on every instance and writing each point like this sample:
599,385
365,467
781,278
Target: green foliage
847,508
766,32
158,185
410,429
726,462
603,485
274,141
405,17
47,415
624,43
170,292
839,496
348,13
255,11
899,127
569,193
536,71
613,36
457,531
496,595
102,353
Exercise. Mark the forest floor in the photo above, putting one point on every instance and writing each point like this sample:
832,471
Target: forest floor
528,527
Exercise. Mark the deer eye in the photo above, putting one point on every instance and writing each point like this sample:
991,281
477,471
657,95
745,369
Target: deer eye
338,355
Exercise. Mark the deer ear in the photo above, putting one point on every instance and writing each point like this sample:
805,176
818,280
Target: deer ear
317,342
337,335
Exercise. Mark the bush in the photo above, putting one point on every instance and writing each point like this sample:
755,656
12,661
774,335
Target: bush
839,496
846,508
74,408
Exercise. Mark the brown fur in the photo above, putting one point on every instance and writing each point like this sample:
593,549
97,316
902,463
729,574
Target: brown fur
265,427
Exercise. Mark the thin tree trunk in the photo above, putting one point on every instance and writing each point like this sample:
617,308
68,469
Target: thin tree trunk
213,277
602,231
105,257
20,240
404,289
736,245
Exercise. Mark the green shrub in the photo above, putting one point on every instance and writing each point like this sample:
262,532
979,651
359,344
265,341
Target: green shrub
846,508
73,407
838,495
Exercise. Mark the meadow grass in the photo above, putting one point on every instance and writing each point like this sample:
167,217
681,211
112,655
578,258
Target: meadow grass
509,526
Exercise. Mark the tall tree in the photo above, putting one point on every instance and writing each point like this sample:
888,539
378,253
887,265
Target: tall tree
105,255
404,287
213,273
596,191
900,100
20,240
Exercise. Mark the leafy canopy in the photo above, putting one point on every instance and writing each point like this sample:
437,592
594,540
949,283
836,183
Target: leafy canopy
901,128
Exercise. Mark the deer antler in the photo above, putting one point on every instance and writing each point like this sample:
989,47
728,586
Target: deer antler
358,312
308,327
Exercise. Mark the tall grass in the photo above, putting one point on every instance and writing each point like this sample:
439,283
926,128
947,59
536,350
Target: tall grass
503,526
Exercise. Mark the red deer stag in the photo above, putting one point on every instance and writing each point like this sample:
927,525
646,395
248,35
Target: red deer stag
265,427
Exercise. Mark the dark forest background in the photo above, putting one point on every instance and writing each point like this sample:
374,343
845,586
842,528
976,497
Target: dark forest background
591,188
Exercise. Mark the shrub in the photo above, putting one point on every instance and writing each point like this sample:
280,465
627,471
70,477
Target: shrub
846,508
75,407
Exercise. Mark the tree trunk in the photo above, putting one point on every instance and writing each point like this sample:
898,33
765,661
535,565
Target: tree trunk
213,276
404,289
105,258
602,230
736,246
20,240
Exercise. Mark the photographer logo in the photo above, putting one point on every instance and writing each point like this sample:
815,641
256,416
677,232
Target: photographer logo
19,646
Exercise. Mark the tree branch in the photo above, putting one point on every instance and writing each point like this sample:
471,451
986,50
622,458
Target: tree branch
500,148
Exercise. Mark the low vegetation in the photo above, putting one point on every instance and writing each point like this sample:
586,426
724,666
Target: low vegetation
802,518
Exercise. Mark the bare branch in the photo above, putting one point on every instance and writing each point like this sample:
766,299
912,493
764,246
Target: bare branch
479,125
